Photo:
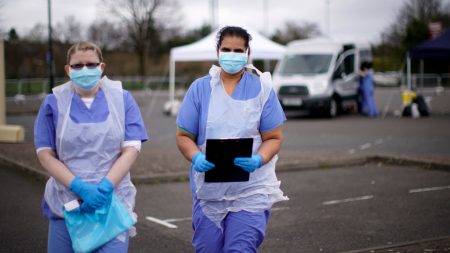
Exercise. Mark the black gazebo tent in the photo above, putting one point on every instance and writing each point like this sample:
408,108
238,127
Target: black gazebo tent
437,49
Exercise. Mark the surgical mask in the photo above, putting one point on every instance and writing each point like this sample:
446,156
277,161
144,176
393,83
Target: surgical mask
86,78
232,62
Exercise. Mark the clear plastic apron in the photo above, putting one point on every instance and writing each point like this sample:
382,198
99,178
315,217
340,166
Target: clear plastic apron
230,118
89,149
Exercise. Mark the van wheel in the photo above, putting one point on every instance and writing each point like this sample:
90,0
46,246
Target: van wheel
331,109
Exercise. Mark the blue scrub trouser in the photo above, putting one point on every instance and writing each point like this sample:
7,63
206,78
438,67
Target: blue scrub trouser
242,232
59,240
369,106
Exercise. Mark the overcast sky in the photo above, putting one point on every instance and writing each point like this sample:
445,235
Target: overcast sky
362,19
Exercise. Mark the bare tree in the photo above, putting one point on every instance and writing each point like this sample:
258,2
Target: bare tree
69,30
106,35
144,21
415,11
38,33
296,31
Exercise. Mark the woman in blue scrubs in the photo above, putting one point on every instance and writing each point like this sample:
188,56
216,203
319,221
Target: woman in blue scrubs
366,87
87,135
230,102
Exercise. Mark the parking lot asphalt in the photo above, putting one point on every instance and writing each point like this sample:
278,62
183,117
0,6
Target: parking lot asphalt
374,207
310,144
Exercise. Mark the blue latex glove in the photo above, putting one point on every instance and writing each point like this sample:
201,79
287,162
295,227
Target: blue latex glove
106,187
249,164
89,193
200,162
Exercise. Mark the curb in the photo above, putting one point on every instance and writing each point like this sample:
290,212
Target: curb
21,167
398,245
283,167
403,161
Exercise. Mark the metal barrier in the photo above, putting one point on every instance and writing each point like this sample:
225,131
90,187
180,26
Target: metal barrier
37,86
428,81
422,81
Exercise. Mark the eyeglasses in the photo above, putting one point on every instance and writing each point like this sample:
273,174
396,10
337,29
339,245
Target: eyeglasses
89,65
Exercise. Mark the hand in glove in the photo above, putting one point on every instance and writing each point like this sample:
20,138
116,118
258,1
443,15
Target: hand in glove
249,164
200,162
89,193
106,187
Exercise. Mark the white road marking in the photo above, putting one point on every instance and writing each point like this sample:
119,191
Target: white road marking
280,208
387,105
179,219
437,188
378,141
333,202
161,222
365,146
369,145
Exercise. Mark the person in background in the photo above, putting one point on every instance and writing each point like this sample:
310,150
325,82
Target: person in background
230,102
87,135
366,89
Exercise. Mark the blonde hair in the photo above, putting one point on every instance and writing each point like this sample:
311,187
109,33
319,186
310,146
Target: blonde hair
84,46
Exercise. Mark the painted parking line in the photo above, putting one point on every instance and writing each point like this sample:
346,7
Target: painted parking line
179,219
339,201
161,222
387,105
281,208
168,222
365,146
369,145
378,141
437,188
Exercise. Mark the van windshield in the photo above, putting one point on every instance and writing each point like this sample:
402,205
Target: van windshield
305,64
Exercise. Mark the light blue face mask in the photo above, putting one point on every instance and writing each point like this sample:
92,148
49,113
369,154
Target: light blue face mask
86,78
232,62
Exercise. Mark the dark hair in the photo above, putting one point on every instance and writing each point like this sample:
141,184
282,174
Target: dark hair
366,65
233,31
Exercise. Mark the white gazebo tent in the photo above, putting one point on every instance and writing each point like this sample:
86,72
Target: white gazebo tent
261,48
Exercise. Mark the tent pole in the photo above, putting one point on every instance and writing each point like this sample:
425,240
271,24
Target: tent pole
421,73
172,82
408,72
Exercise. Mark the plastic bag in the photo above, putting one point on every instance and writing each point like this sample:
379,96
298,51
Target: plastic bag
89,231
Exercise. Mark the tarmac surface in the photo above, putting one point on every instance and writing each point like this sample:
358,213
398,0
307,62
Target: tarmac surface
160,160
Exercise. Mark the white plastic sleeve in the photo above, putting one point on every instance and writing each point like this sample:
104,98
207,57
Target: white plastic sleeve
136,144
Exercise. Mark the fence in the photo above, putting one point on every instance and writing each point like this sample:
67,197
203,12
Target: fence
428,81
35,86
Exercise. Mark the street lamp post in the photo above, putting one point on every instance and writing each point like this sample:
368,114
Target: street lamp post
213,14
50,50
327,17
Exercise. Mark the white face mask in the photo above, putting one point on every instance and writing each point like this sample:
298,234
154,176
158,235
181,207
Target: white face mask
86,78
232,62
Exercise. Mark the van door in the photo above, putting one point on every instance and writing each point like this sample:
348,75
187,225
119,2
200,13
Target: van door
345,77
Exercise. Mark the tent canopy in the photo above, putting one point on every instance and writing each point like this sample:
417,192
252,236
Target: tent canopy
205,49
438,47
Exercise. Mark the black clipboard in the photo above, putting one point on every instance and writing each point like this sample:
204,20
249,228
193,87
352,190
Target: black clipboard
222,152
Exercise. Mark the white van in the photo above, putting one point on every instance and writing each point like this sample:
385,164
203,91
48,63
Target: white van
320,75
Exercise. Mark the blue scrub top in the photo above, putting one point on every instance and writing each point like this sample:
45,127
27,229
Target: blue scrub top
46,121
367,81
194,110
